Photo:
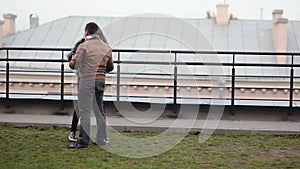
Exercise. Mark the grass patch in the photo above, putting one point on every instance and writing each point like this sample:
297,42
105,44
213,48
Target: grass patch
46,148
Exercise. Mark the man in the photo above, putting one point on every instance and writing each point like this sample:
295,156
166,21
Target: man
72,135
93,59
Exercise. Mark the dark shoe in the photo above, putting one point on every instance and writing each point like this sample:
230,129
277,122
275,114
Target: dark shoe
72,136
78,145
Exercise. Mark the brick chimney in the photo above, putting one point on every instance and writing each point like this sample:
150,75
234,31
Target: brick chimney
279,31
277,13
222,18
1,33
9,26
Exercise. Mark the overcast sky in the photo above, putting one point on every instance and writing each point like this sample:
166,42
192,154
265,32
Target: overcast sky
49,10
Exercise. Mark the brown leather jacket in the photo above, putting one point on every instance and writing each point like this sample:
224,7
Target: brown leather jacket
93,59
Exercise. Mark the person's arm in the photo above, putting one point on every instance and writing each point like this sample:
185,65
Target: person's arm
77,58
74,49
110,63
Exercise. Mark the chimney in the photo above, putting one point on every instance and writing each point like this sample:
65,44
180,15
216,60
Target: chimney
9,26
277,13
1,33
222,17
34,20
279,31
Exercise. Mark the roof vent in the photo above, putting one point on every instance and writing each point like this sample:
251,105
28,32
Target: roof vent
34,20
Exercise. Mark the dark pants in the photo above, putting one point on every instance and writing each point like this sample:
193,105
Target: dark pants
75,114
74,122
90,99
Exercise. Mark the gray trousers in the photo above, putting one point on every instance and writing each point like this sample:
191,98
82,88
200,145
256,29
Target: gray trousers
90,99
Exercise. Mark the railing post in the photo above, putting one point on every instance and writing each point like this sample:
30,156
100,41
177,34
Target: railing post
290,113
175,86
118,83
7,80
232,112
62,82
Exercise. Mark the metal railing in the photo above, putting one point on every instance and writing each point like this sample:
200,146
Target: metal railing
175,63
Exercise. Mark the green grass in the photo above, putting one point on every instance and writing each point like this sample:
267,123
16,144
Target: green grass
46,148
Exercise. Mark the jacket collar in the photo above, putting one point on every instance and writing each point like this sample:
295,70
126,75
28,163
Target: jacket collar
92,36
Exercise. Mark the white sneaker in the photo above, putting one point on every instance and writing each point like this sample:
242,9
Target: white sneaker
72,136
102,143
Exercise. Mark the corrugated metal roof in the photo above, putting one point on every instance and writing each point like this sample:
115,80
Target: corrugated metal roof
238,35
160,33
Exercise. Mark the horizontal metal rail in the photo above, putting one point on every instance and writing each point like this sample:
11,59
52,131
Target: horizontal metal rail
174,63
158,51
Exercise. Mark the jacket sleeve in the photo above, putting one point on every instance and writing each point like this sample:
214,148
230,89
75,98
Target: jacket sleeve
110,63
74,49
77,58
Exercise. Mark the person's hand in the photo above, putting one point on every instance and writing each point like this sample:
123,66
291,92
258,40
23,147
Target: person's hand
74,49
78,43
69,56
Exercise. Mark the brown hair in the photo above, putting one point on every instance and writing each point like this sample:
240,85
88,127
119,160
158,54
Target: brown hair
91,27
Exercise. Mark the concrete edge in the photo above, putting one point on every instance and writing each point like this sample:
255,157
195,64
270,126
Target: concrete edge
162,129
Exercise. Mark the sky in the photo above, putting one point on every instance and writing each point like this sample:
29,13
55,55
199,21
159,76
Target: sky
50,10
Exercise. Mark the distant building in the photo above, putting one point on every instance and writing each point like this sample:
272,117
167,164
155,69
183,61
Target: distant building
277,35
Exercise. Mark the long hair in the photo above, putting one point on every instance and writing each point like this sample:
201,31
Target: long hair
101,36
